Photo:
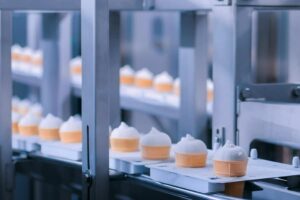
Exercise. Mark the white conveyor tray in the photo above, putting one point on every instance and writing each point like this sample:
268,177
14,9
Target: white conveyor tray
62,150
133,163
204,179
25,143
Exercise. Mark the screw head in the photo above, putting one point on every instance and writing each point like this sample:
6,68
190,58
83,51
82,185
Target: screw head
246,93
87,177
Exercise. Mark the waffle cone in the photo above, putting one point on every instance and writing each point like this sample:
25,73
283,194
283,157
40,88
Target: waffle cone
155,152
235,189
143,83
26,58
210,95
127,80
71,137
15,127
230,168
16,57
76,69
49,134
124,145
163,87
28,130
37,62
190,160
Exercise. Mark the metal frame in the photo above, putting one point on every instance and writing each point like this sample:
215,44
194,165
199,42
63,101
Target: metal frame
55,43
6,165
95,100
100,91
49,44
194,36
233,61
99,103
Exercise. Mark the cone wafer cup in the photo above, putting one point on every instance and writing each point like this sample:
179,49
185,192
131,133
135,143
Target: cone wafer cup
190,160
28,130
235,189
49,134
230,168
15,128
127,80
143,83
71,136
155,152
124,145
166,87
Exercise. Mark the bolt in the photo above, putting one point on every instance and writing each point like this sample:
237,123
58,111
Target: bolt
296,91
246,93
87,177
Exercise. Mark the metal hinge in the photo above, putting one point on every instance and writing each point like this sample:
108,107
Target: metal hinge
222,2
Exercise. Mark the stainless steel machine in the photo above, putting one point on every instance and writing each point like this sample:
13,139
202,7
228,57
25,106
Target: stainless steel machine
248,110
257,100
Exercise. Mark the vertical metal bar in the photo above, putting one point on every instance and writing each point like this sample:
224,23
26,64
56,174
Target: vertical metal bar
293,47
265,47
95,98
49,43
193,65
6,166
34,29
115,62
232,64
64,54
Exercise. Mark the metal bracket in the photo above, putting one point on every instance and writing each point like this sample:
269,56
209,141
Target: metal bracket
222,2
88,178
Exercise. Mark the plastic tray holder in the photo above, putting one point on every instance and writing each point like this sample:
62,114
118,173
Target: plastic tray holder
132,163
204,180
26,143
62,150
131,91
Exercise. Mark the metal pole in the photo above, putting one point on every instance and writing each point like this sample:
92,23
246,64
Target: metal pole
64,54
193,65
115,63
232,66
34,29
49,44
96,88
6,165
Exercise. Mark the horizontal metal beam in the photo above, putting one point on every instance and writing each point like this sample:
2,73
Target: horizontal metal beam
160,5
182,5
134,104
271,92
275,3
150,108
121,5
27,80
42,5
